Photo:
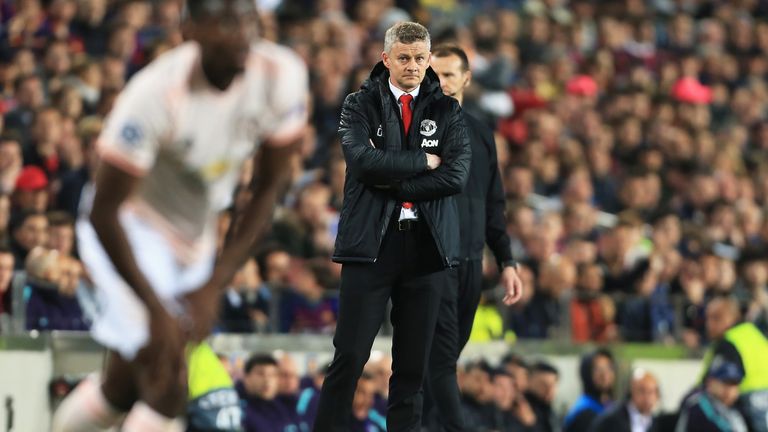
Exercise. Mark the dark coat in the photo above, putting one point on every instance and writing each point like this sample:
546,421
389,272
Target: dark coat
385,167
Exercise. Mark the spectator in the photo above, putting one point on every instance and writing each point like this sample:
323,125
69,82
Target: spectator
557,278
541,394
259,390
478,397
304,307
51,298
598,377
309,231
513,413
29,229
636,413
518,368
61,233
245,306
31,190
365,418
714,409
592,313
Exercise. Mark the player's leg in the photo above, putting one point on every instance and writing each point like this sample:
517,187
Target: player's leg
99,401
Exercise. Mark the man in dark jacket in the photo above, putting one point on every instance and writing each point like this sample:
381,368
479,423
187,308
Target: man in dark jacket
481,221
636,413
407,153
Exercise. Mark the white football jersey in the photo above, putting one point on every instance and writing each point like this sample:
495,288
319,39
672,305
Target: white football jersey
188,144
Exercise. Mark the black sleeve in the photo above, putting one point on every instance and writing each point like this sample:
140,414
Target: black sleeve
370,165
496,236
451,176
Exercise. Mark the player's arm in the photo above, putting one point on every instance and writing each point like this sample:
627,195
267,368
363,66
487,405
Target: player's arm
370,165
127,148
113,187
273,163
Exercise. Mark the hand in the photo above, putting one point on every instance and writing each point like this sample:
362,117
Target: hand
433,161
513,286
202,308
162,361
166,341
524,412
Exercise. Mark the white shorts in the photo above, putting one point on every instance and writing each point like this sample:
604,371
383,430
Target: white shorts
122,323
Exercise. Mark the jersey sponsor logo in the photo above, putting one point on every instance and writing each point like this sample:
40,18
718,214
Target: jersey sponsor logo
131,134
429,143
428,127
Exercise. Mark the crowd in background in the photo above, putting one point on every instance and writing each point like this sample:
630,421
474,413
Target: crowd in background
631,136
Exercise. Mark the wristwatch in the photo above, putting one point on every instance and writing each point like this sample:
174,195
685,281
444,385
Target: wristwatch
510,263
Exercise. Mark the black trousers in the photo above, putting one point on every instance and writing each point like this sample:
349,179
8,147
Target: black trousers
410,271
454,324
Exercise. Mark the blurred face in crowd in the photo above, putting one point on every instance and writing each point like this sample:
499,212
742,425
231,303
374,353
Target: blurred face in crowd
288,374
453,77
603,374
313,205
364,398
725,392
477,383
6,270
30,93
61,238
32,232
36,199
407,64
721,315
520,375
504,391
278,264
544,385
262,381
47,127
644,392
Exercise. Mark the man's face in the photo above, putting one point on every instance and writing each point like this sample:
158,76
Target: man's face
33,232
224,31
453,78
32,199
407,64
364,397
725,392
504,392
262,381
288,375
544,386
645,394
603,374
719,320
61,238
520,375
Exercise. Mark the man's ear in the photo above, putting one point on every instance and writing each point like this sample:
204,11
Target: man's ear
385,59
469,79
